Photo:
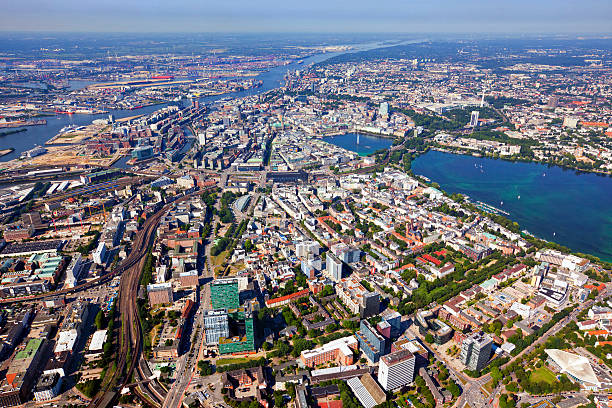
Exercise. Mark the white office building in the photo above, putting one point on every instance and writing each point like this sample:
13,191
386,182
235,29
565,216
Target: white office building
334,267
73,271
396,369
476,351
216,325
99,255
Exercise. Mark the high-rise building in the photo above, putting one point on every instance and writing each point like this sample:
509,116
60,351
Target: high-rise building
47,387
553,102
224,294
383,110
202,139
216,325
22,373
371,343
241,336
334,267
357,298
73,272
476,351
307,249
396,369
346,253
99,255
474,118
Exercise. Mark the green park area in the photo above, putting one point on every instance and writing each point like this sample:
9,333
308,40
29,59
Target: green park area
542,374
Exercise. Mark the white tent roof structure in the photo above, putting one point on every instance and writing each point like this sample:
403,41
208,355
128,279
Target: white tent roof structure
574,365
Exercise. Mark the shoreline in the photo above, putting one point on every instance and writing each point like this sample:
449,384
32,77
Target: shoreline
512,217
361,132
321,138
576,169
12,132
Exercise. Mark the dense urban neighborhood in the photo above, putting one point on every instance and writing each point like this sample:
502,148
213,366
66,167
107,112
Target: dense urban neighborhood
202,241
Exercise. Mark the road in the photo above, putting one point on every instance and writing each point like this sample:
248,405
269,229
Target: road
187,364
130,343
472,394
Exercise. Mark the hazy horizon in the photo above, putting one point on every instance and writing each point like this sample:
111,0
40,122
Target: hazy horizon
592,17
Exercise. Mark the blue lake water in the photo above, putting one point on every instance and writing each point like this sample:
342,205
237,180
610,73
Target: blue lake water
570,208
363,145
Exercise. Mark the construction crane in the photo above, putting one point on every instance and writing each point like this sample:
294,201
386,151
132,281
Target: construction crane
97,206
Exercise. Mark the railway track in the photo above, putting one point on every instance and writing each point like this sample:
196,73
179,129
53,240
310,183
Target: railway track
130,363
130,339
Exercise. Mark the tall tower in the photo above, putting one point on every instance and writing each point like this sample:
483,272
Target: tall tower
396,369
224,294
476,351
474,119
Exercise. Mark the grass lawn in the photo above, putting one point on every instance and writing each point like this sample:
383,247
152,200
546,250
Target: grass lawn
542,374
228,361
218,260
236,268
489,387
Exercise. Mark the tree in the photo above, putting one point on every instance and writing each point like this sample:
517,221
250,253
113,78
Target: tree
327,291
278,399
429,338
205,368
299,345
454,389
496,375
100,320
283,348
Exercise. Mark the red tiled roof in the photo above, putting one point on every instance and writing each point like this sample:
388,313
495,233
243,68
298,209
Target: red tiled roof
433,260
286,297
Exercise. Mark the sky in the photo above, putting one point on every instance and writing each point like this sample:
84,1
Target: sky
329,16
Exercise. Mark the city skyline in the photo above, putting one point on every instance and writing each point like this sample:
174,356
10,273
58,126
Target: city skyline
445,16
306,204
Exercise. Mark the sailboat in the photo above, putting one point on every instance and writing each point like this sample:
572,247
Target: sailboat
518,197
502,203
357,138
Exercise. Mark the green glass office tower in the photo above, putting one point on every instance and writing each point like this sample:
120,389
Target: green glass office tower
224,294
241,330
